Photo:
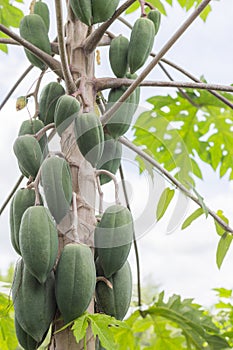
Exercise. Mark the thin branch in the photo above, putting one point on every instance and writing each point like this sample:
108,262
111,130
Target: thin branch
134,239
42,131
92,41
113,177
36,92
49,60
156,59
112,83
174,181
15,86
11,194
70,85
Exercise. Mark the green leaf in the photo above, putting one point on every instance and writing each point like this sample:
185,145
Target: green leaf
132,8
201,201
164,201
8,340
219,229
192,217
223,247
223,292
80,326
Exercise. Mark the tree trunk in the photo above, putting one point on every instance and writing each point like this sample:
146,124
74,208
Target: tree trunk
83,175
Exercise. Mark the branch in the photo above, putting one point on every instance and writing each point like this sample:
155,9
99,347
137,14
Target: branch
173,180
49,60
70,85
113,83
92,41
156,59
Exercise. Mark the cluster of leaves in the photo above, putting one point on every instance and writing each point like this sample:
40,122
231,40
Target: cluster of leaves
160,5
10,16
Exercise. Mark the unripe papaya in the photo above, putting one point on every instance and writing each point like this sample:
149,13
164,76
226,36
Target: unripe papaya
24,339
57,185
34,303
38,241
41,9
47,101
23,199
75,281
32,28
82,10
28,152
116,301
155,17
67,108
32,126
103,10
141,43
113,238
122,118
111,158
118,53
89,137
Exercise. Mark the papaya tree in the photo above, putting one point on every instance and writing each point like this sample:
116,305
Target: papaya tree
72,286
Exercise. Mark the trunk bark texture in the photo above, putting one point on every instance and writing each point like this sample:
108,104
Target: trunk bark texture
83,174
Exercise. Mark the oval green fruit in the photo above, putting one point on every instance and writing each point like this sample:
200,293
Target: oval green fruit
57,185
34,303
103,10
24,339
155,17
113,238
28,152
22,200
118,53
41,9
141,43
67,108
32,28
116,301
38,241
75,281
47,101
89,137
82,10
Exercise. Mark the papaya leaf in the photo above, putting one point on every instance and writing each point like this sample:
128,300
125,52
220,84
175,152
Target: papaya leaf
223,292
219,229
8,340
192,217
80,326
164,201
223,247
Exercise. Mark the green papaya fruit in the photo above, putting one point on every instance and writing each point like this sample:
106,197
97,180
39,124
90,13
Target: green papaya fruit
57,185
75,281
155,17
116,301
82,9
47,101
67,108
113,237
111,158
137,91
118,53
32,28
24,339
89,137
41,9
38,241
23,199
141,43
34,303
122,118
103,10
28,152
32,126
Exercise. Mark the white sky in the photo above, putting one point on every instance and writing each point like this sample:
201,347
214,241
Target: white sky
182,262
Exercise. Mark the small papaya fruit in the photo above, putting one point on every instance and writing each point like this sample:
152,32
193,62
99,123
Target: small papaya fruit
89,137
155,17
111,158
47,101
66,110
75,281
118,53
116,301
103,10
32,28
41,9
34,303
113,237
28,152
38,241
57,185
82,9
141,43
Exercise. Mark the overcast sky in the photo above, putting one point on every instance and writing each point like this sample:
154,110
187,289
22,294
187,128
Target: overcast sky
182,262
